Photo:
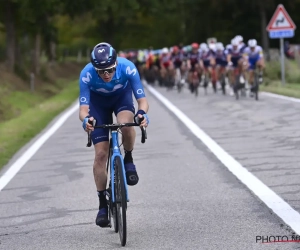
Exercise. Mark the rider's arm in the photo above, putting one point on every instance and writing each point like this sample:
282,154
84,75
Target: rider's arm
212,58
137,88
201,63
228,57
84,95
143,104
188,63
261,53
83,112
245,53
261,57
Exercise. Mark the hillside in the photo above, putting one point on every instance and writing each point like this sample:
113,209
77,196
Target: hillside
16,95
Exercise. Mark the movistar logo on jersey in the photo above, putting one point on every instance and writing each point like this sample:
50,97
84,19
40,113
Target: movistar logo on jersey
87,78
129,71
83,100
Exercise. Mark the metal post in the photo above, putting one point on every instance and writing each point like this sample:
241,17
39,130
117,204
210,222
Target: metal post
282,61
32,82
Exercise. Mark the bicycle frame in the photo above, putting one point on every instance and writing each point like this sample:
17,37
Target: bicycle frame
116,153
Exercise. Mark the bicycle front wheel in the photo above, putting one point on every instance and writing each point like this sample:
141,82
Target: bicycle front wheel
121,200
256,87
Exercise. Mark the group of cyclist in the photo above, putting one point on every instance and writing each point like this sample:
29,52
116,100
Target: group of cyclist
107,83
236,60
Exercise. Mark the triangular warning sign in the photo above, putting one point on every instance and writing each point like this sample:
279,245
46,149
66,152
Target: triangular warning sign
281,20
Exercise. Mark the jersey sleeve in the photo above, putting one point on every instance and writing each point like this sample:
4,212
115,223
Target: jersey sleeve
212,54
84,90
133,77
228,47
261,53
246,52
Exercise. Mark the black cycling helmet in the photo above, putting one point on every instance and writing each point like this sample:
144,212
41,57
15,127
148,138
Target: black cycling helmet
103,56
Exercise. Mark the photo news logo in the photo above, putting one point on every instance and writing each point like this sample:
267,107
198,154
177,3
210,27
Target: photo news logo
277,239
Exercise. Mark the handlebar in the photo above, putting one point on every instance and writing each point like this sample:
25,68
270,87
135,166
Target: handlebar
115,127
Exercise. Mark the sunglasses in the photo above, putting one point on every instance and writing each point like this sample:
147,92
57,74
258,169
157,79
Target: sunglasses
107,71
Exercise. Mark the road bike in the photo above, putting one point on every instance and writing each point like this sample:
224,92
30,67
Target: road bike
117,192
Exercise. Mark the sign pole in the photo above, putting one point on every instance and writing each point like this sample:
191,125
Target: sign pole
282,61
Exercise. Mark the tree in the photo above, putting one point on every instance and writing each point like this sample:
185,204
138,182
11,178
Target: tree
9,10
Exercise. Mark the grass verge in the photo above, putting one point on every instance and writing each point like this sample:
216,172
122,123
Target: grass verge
273,75
289,89
16,132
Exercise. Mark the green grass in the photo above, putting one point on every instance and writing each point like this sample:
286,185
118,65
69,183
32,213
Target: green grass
17,102
16,132
273,75
292,90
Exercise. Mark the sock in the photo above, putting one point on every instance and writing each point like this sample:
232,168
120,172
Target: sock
128,157
102,199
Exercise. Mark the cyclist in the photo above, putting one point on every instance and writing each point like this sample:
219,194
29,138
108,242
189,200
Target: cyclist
177,57
242,45
207,61
235,61
121,54
165,63
150,60
106,85
177,60
221,60
193,64
255,56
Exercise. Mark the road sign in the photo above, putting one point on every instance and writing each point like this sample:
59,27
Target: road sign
281,20
281,26
281,34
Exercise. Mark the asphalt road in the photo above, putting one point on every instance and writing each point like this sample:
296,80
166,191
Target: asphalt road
186,198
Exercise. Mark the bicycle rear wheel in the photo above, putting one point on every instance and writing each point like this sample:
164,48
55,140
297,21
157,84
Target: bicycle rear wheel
121,200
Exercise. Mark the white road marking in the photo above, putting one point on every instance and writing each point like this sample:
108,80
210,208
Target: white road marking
23,159
269,197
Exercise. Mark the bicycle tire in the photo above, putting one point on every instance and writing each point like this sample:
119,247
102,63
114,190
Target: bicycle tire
223,89
223,84
121,201
256,87
205,84
112,206
196,88
214,85
196,91
236,87
236,91
179,87
115,218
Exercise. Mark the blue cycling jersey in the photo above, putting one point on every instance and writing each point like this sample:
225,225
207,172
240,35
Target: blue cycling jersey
126,73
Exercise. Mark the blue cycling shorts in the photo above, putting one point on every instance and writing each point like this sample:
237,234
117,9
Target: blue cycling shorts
235,61
206,63
102,107
222,63
252,62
